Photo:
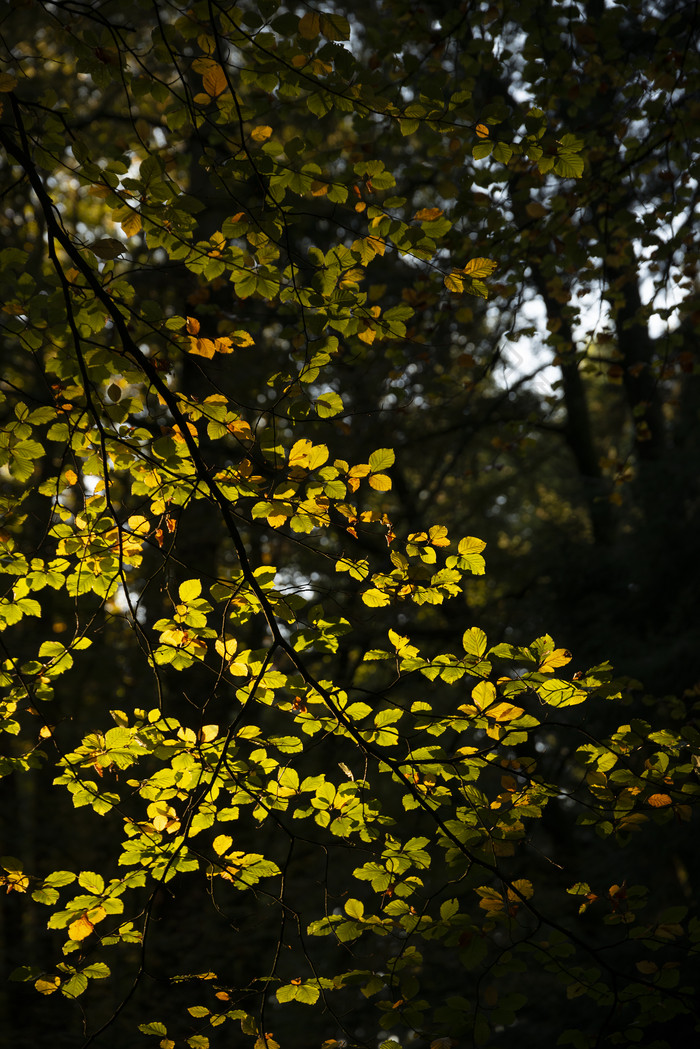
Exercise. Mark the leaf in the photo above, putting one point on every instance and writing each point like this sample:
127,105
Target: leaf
479,267
558,658
354,909
334,26
261,133
74,986
132,224
190,590
214,80
153,1028
309,25
482,130
307,993
94,883
474,641
659,801
381,459
47,984
107,248
376,598
329,404
80,929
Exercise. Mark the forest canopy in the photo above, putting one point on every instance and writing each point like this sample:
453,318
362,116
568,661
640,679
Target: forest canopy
348,502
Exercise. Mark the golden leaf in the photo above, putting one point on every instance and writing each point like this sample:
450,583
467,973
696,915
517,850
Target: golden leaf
505,712
192,326
132,224
482,131
47,984
261,133
479,267
659,801
453,282
214,81
79,929
428,214
558,658
202,348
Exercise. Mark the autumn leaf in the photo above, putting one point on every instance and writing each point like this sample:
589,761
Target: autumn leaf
659,801
428,214
214,80
551,660
132,224
478,268
454,282
309,25
80,929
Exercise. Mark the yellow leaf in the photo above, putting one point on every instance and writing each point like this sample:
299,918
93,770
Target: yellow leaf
659,801
380,482
226,649
214,81
483,694
241,338
505,712
367,335
79,929
306,454
428,214
240,429
482,131
192,326
207,733
310,25
71,476
453,282
132,224
202,348
479,267
558,658
222,843
261,133
523,887
47,984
